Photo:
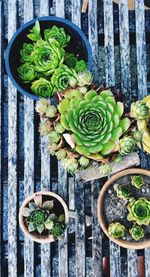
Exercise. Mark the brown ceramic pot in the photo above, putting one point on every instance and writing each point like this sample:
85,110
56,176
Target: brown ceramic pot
100,213
39,238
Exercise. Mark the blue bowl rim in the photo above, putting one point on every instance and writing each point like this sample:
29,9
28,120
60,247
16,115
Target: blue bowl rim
24,26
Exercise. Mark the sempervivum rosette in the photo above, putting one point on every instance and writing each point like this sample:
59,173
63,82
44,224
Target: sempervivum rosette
62,77
86,125
27,72
139,211
42,87
95,121
26,52
47,56
58,34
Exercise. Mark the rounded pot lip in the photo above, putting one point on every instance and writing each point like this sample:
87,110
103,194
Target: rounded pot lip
24,26
101,219
21,218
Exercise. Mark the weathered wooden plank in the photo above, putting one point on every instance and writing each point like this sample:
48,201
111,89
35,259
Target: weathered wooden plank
62,183
79,187
45,173
12,157
142,82
80,229
76,12
71,188
141,48
147,259
60,8
109,43
63,244
126,79
110,80
96,230
132,263
96,234
0,129
125,49
28,157
93,37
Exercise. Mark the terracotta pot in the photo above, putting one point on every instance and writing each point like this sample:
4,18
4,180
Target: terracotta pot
101,218
39,238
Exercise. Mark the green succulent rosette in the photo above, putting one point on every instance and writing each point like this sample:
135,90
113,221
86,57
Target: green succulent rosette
80,66
127,145
139,110
58,34
42,87
26,52
63,77
26,72
137,181
123,192
70,60
95,121
139,211
116,230
137,232
47,56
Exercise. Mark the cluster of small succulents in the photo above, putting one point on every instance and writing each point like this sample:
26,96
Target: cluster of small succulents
140,110
44,63
40,217
87,125
138,211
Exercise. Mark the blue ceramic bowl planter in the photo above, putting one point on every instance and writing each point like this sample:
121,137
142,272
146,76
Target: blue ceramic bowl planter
78,44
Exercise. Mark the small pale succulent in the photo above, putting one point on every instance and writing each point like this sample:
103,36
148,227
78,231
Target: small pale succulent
127,145
84,161
42,88
137,181
61,154
63,77
58,34
139,211
116,230
40,217
137,232
85,78
70,165
95,121
45,128
42,106
26,52
105,169
123,192
139,110
27,72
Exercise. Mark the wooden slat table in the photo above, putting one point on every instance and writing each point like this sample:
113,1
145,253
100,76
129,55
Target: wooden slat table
25,163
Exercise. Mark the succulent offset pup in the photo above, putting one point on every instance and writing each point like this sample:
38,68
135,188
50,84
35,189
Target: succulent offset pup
45,65
137,181
139,211
140,110
137,232
40,217
123,192
116,230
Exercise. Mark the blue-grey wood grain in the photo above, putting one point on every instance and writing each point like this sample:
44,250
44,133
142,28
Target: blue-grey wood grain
28,157
12,158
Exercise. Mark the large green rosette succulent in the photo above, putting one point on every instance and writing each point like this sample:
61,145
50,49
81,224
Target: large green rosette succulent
63,77
42,87
58,34
139,211
26,72
26,52
47,56
95,121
